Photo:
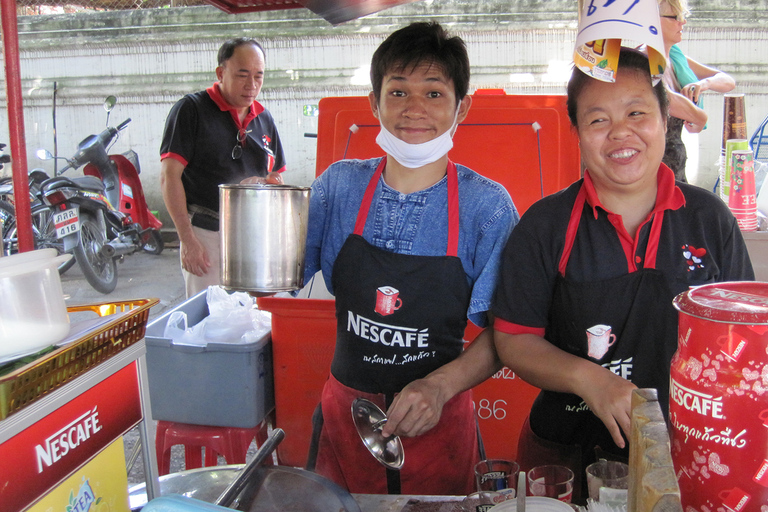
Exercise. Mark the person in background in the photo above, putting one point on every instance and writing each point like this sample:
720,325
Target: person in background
583,308
409,244
685,79
217,136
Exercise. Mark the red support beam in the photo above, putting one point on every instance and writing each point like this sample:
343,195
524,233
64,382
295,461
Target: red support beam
16,125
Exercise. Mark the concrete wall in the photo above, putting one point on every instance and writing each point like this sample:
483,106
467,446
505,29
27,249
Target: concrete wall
150,58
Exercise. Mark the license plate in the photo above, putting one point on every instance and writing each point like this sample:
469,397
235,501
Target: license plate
66,222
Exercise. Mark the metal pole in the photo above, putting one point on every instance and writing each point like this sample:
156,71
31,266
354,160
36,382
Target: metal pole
16,124
55,139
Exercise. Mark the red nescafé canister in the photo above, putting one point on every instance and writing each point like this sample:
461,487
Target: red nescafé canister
718,408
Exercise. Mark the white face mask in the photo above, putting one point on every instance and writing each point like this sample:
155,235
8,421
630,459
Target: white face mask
414,156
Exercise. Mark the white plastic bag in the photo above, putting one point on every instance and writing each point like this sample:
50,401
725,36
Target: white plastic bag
232,318
229,316
177,331
176,326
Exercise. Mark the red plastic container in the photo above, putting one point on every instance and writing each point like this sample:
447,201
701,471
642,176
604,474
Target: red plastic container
719,398
303,339
523,141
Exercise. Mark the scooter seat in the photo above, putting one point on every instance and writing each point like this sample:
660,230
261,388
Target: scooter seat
89,183
86,183
57,182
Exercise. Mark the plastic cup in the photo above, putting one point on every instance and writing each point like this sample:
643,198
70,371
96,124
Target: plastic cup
497,475
608,481
551,481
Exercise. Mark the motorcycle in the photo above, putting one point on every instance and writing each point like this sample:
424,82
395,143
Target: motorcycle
42,218
7,213
84,215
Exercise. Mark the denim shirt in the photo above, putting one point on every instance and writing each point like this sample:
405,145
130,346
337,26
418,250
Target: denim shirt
414,223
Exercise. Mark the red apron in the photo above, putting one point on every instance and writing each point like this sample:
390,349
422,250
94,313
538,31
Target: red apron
399,317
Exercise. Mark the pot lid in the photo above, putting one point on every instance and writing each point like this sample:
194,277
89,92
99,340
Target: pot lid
369,420
744,302
31,261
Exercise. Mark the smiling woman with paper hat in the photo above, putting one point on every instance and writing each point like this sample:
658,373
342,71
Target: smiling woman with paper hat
584,302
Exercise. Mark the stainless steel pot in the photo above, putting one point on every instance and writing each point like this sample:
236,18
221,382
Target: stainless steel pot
268,488
263,231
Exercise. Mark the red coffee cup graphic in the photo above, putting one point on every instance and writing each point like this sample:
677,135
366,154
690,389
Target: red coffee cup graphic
599,339
761,476
763,415
734,499
387,301
732,346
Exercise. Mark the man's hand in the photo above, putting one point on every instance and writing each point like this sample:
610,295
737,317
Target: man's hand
415,410
194,257
273,178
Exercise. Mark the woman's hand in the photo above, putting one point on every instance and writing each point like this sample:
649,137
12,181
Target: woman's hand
693,90
273,178
538,362
609,397
682,107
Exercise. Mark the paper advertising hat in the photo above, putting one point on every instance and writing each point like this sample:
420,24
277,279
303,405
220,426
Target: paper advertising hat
603,24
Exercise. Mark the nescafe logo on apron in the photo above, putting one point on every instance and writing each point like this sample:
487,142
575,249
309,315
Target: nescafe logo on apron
719,397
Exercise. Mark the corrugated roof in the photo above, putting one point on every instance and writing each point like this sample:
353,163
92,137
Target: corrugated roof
334,11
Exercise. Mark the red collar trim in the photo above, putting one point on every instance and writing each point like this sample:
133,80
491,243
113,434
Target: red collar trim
668,197
215,93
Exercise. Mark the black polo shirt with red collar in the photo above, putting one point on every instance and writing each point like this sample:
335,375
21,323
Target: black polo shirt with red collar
201,131
699,243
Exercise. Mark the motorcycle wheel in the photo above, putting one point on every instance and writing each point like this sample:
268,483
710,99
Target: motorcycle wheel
43,231
152,242
99,271
7,226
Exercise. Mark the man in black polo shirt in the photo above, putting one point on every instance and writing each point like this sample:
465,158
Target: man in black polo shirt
216,136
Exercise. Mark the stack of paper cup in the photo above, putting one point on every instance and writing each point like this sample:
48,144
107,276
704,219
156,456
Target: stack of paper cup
734,127
731,145
742,198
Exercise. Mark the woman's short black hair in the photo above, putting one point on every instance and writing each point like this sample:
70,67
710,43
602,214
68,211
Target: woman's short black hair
418,43
629,59
228,48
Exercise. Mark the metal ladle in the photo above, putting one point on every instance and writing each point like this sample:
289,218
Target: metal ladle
369,420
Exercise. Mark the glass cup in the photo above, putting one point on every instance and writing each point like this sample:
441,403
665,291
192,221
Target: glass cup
497,475
482,501
552,481
608,481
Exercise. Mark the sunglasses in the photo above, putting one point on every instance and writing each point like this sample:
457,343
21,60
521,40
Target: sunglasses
237,151
678,18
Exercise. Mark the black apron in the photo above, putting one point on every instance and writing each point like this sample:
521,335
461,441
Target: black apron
626,324
399,317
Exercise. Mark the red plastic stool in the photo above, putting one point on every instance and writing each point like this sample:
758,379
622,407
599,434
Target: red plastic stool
232,443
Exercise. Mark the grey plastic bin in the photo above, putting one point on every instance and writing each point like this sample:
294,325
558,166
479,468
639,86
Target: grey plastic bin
218,384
